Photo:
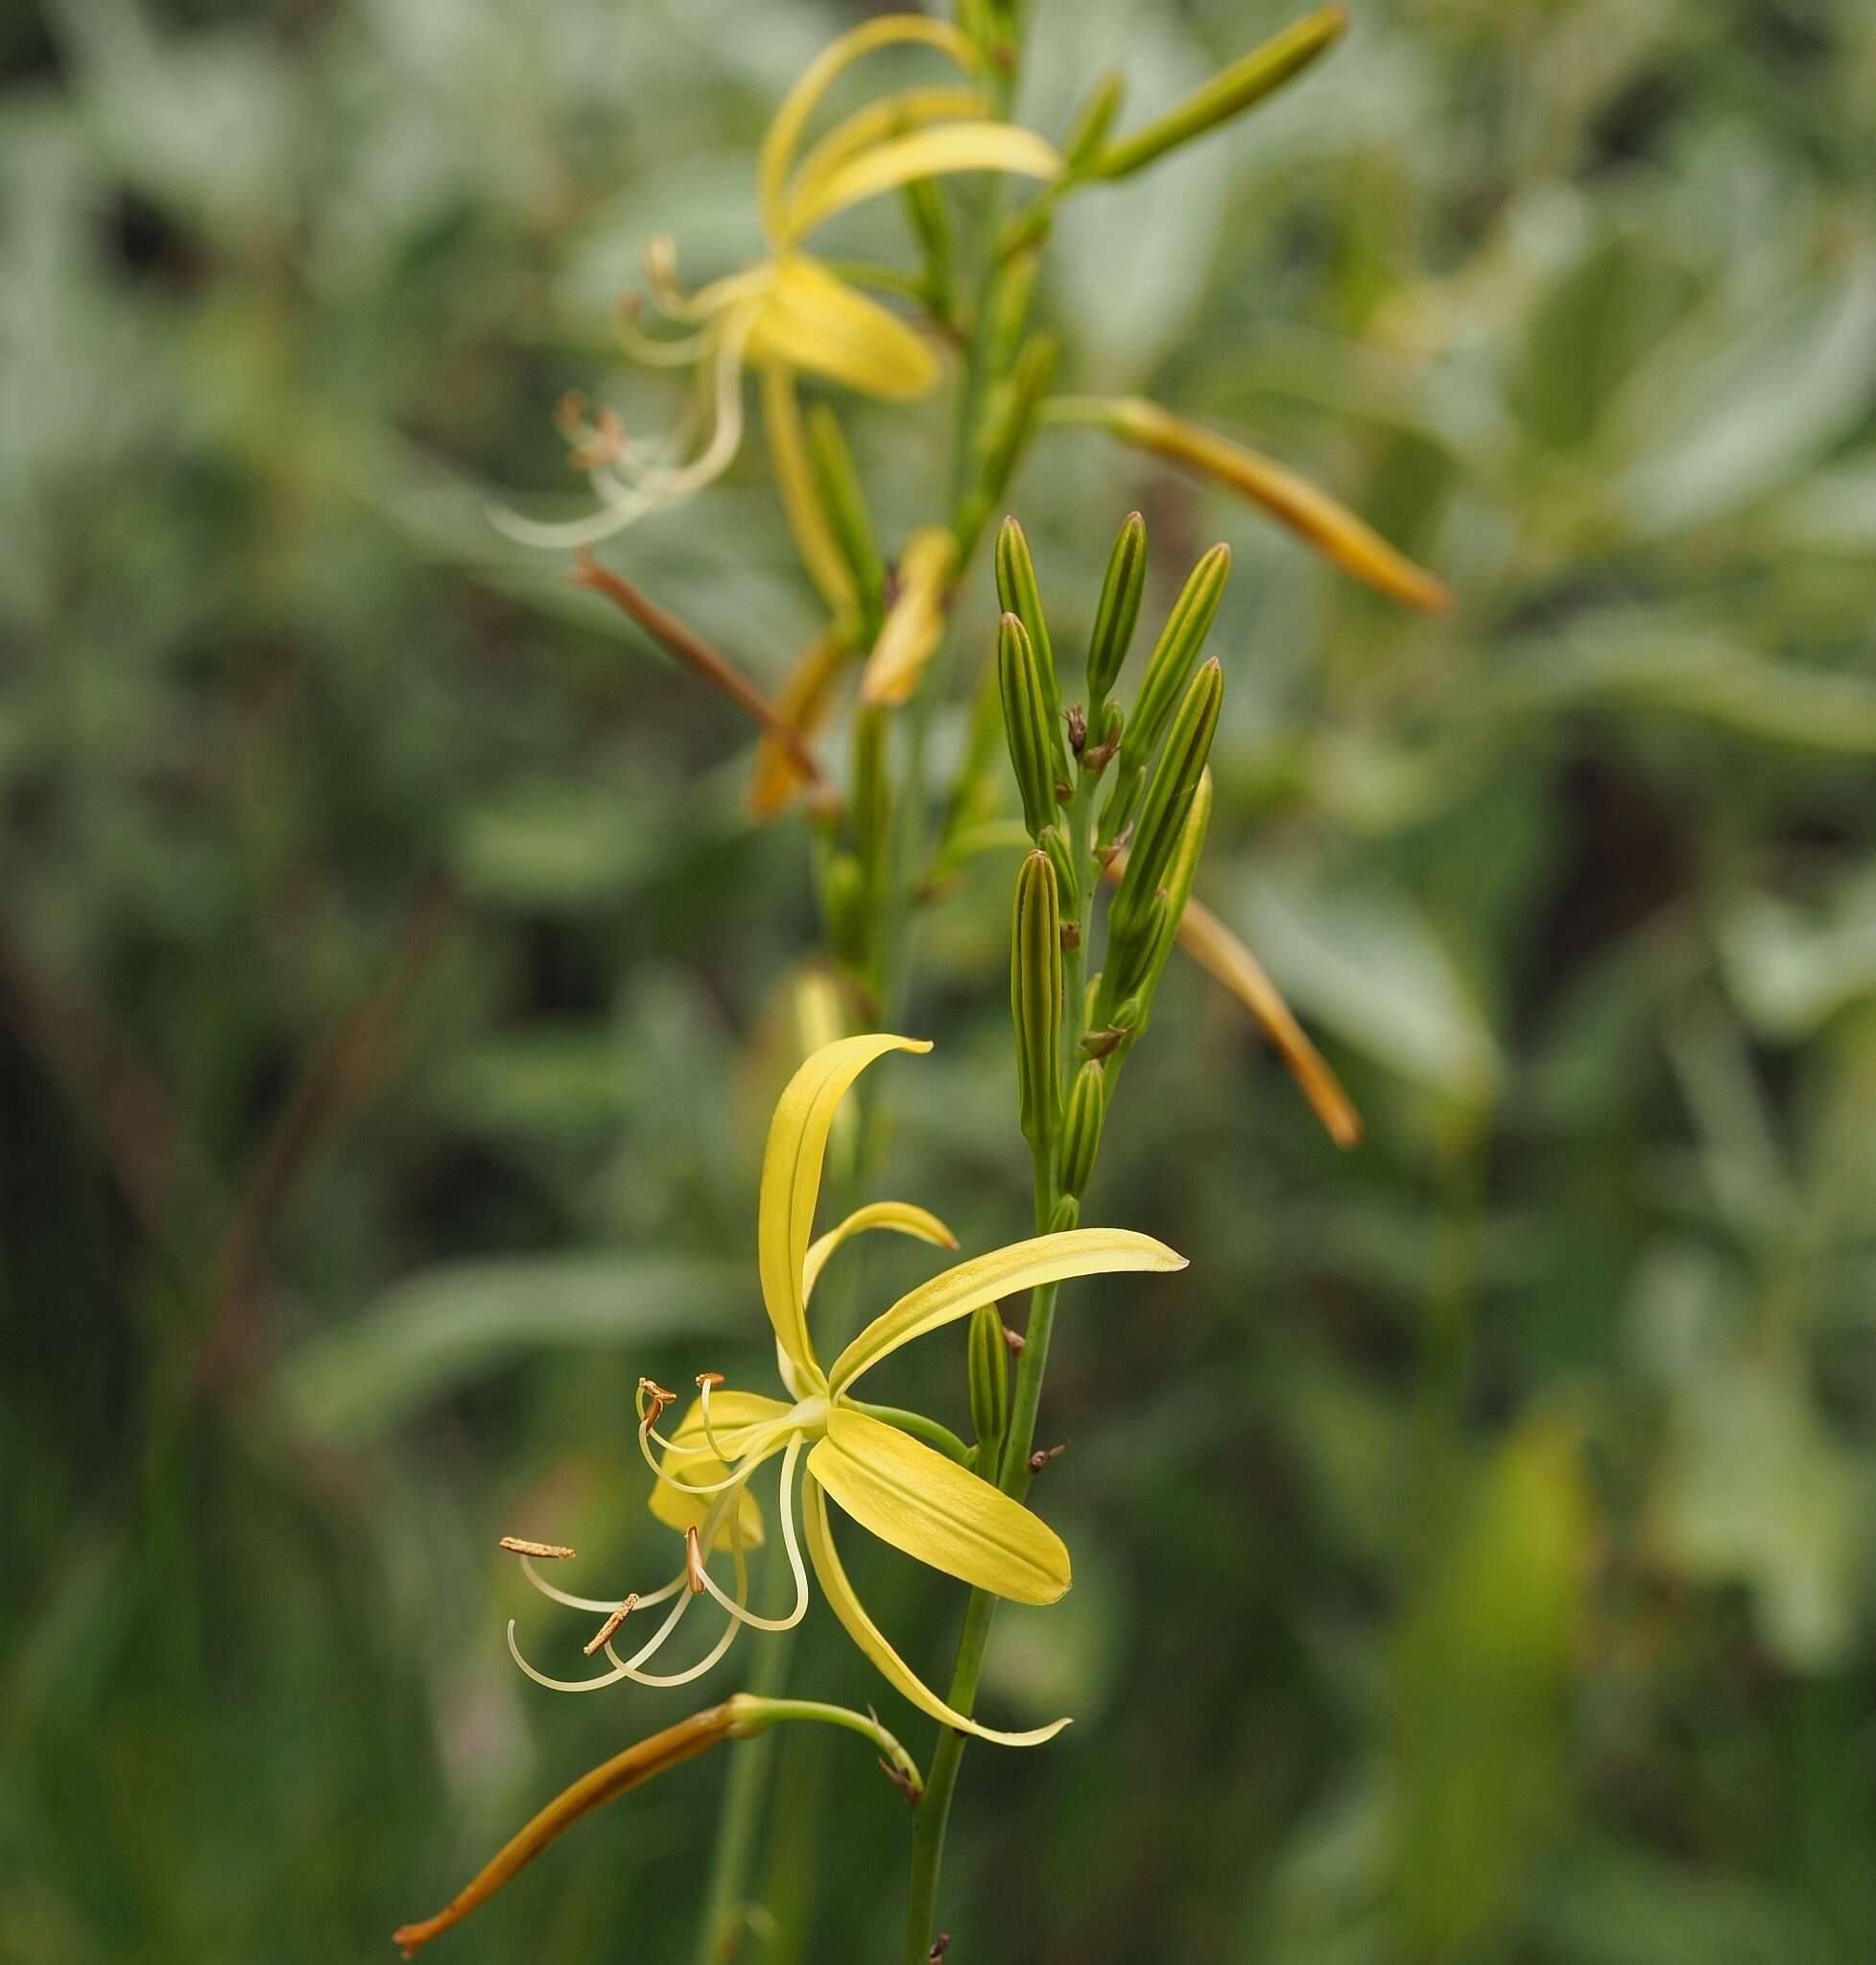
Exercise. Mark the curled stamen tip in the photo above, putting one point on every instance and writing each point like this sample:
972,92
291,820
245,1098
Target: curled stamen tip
611,1625
517,1545
694,1562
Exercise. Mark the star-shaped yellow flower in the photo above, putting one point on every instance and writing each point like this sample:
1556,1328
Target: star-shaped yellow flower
905,1492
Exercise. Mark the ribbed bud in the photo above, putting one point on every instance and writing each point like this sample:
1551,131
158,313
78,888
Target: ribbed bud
1118,610
1067,1215
1025,725
1081,1128
1035,998
989,1378
1055,843
1173,654
1168,799
1123,803
838,485
1018,593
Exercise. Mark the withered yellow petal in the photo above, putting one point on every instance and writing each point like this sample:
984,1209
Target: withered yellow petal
1323,521
914,624
934,1509
1002,1272
867,1634
790,1182
806,700
902,1217
812,321
784,132
941,150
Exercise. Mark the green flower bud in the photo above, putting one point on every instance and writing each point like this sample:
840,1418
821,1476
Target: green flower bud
1173,654
1035,998
1168,910
989,1378
1025,725
1067,1215
1169,800
838,485
1092,121
1230,93
1118,610
1122,802
1055,843
1081,1128
1018,594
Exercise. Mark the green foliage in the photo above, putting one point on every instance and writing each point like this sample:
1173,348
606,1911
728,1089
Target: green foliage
1479,1564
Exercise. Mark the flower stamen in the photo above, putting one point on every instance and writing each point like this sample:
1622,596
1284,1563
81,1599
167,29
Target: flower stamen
613,1623
553,1551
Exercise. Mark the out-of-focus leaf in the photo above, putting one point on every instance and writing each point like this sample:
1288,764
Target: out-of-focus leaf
1789,967
541,1080
546,847
1360,956
1754,1492
1788,389
446,1326
1481,1675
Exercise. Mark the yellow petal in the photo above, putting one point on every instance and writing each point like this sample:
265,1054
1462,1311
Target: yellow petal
1003,1272
813,320
807,519
901,1216
867,1634
914,625
737,1419
939,152
916,1499
791,119
891,115
791,1181
806,700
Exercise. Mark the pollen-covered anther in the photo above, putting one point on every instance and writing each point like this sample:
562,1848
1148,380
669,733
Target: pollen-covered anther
1042,1456
517,1545
613,1623
709,1379
652,1399
604,445
694,1562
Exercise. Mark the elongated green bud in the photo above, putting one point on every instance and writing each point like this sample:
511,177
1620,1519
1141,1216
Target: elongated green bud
1010,422
1118,610
1122,802
1082,142
1230,93
1168,799
838,485
1081,1128
1169,909
990,1379
1175,653
1055,843
1019,593
1035,998
1026,725
870,811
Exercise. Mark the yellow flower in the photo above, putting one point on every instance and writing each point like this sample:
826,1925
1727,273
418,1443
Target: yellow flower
911,1494
790,314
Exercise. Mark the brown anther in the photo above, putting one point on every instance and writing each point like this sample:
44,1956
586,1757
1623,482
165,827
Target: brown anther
712,1379
607,446
614,1619
694,1561
1042,1456
1078,727
517,1546
1017,1342
657,1398
940,1945
570,413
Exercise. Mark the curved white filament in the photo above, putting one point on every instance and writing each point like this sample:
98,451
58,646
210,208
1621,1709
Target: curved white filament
786,1503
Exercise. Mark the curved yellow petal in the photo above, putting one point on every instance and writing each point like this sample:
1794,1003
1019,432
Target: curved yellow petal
901,1216
805,700
807,516
1003,1272
934,1509
790,1182
939,152
813,320
784,132
867,1634
893,115
736,1418
914,624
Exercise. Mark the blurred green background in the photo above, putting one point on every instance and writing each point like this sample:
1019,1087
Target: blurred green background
1473,1549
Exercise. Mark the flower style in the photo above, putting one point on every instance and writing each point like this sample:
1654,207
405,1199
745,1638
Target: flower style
790,313
921,1500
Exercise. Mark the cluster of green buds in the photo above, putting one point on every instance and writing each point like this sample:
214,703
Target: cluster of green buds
1075,1024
